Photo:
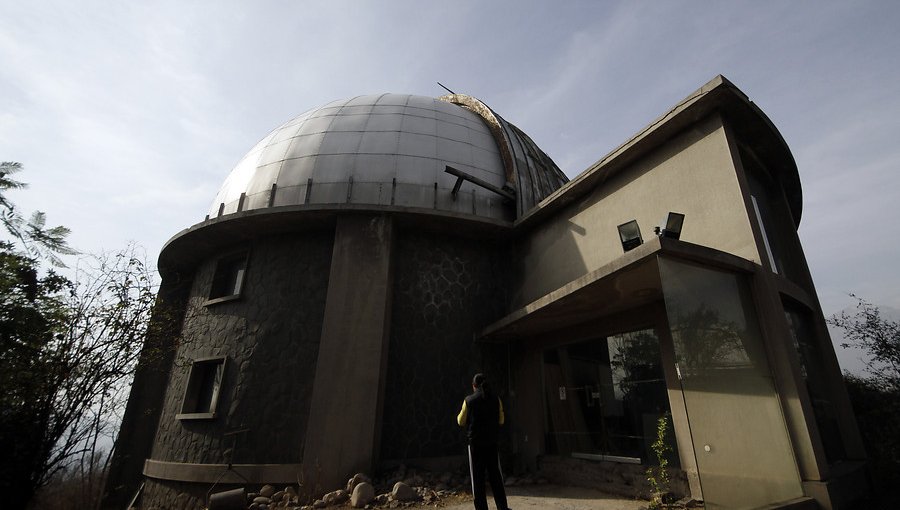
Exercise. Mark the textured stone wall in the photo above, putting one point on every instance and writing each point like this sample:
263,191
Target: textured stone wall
165,495
445,290
270,336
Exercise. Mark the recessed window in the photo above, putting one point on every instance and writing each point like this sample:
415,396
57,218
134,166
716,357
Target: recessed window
204,386
228,279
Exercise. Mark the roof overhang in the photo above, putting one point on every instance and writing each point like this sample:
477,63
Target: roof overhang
215,236
628,282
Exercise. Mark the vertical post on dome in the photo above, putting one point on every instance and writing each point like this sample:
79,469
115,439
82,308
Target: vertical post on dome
241,201
272,194
308,190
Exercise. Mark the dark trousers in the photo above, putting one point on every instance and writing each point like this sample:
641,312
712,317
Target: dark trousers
483,458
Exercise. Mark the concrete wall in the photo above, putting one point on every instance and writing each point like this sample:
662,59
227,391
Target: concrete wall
139,424
345,409
693,173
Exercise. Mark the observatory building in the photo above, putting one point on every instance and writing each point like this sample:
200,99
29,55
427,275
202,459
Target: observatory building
365,258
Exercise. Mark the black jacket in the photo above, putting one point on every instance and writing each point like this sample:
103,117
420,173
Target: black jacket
482,415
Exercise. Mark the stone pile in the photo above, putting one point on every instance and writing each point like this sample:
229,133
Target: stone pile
398,488
401,487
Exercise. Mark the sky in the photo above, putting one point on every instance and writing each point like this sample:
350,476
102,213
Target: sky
128,116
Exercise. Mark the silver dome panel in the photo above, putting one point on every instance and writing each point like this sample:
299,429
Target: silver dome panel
381,150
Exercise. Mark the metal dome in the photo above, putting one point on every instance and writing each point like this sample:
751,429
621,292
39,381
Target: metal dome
390,150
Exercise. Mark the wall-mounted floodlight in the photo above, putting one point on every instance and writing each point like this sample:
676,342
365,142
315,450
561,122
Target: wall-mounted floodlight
630,234
672,228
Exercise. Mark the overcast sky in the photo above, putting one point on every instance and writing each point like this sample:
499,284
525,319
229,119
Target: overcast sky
129,115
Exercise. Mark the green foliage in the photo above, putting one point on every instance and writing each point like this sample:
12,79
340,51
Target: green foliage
658,476
68,348
32,234
32,318
878,416
879,337
67,354
876,397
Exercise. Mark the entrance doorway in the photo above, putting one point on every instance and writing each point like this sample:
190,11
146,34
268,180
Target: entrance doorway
604,397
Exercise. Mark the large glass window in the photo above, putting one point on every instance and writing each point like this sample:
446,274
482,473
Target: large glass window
779,234
743,452
812,369
604,397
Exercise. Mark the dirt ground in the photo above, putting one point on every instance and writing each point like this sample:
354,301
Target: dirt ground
552,496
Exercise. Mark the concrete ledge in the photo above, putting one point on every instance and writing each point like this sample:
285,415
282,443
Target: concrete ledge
803,503
211,473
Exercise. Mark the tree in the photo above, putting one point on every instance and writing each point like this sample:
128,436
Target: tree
880,337
876,398
68,348
34,237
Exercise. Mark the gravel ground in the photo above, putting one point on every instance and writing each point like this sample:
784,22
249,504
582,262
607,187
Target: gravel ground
555,497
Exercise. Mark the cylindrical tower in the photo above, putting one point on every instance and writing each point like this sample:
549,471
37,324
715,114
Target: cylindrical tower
327,304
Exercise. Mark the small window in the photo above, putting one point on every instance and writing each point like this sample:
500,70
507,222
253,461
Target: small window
204,386
228,278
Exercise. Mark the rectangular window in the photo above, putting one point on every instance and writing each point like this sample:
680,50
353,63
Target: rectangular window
228,280
813,371
604,397
765,235
201,396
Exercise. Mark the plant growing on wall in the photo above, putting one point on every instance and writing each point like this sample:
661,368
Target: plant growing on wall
658,475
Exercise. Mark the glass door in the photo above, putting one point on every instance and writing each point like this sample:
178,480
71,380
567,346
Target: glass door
604,397
744,455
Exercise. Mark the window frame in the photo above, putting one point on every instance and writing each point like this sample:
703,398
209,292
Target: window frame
228,258
193,388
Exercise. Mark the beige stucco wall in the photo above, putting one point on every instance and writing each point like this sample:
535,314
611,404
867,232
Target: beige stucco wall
693,173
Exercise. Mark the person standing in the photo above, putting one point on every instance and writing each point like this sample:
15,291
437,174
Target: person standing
482,415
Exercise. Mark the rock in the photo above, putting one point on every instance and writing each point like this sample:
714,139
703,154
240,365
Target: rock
262,500
356,480
335,498
402,492
267,491
278,496
363,493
